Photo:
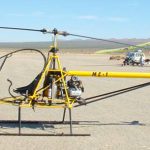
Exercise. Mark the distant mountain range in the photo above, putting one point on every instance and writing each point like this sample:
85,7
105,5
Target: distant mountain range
75,45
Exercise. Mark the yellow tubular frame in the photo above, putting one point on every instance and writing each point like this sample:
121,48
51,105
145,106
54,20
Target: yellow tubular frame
68,102
109,74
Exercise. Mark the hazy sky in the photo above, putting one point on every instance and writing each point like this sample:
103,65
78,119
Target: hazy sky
98,18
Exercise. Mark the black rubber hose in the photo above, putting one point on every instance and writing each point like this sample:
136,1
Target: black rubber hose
9,54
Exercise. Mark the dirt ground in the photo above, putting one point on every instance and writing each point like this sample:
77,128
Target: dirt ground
123,121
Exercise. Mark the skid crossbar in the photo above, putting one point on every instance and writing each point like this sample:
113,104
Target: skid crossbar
29,134
30,122
20,122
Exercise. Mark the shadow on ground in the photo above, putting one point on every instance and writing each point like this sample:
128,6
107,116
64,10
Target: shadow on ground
42,125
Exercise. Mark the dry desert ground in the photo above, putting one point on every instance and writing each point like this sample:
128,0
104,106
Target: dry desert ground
123,120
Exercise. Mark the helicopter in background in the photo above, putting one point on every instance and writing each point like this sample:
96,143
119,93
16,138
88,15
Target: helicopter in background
134,58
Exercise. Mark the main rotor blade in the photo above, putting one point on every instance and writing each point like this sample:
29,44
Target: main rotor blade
64,33
26,29
99,39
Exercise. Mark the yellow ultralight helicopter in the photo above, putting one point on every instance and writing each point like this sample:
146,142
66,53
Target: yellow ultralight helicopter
51,89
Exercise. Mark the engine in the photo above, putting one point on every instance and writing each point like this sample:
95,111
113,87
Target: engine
75,88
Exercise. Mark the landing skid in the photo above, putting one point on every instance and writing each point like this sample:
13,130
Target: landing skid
20,122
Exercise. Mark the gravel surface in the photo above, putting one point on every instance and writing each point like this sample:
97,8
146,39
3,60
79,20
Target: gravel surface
123,121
